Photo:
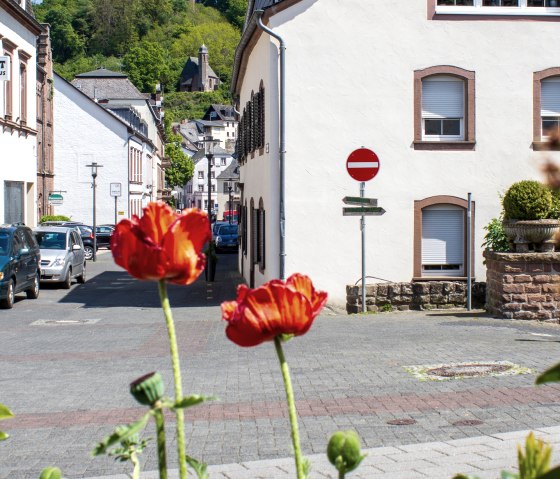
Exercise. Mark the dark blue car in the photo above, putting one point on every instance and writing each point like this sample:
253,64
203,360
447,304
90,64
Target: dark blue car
20,260
226,237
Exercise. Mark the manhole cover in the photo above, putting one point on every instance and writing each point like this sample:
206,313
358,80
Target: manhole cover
63,322
401,422
468,370
468,422
442,372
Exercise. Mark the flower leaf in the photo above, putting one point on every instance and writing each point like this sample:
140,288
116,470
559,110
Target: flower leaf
551,375
51,473
193,400
509,475
199,467
3,436
5,413
119,434
464,476
552,474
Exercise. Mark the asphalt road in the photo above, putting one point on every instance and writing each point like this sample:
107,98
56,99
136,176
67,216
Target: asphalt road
67,358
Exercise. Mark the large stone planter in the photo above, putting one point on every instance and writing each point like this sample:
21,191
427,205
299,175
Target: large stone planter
539,233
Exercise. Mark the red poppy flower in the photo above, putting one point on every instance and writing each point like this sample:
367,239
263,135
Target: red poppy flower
275,308
162,244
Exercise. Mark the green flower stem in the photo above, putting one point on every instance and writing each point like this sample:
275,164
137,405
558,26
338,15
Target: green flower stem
160,430
291,407
341,475
179,414
136,464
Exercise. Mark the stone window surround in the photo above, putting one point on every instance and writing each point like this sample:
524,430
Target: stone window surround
419,205
469,121
9,49
533,17
538,143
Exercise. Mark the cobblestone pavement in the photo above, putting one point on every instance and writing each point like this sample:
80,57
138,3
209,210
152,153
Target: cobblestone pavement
67,382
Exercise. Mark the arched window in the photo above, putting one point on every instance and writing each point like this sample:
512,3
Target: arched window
261,240
440,237
443,108
546,104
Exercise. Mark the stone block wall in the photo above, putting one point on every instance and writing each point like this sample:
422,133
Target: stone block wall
523,285
424,295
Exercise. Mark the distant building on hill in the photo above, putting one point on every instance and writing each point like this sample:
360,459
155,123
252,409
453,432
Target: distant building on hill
197,75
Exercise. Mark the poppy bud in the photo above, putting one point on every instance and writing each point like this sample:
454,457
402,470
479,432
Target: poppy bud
343,451
148,389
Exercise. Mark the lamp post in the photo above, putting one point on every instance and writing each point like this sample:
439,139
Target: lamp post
230,208
94,167
209,145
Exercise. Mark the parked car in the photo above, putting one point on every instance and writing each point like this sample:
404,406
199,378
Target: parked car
226,237
62,254
216,227
19,264
103,235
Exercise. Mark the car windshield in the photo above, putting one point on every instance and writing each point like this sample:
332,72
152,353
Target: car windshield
228,230
51,240
4,244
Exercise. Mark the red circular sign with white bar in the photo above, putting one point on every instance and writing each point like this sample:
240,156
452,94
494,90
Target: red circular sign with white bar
362,164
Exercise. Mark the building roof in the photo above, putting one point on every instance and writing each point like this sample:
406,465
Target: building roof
224,112
218,151
231,172
213,124
102,84
191,69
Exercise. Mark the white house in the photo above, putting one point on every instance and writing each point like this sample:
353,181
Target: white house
87,133
225,116
116,92
452,96
195,192
18,112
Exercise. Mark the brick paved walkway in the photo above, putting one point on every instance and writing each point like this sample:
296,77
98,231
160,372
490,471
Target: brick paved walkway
67,383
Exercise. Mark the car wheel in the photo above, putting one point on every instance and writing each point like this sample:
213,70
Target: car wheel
8,302
82,278
68,280
33,292
88,252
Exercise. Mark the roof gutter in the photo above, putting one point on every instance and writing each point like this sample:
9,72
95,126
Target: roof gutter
282,141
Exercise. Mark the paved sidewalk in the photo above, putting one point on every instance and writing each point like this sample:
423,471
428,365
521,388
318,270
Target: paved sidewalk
483,456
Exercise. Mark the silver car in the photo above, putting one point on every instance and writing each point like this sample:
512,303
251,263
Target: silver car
62,255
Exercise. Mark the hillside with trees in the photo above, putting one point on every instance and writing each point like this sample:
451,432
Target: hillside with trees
149,40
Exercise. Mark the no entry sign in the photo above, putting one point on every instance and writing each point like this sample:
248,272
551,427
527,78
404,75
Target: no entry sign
362,164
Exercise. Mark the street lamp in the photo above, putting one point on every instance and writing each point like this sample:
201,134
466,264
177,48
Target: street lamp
94,167
230,208
209,146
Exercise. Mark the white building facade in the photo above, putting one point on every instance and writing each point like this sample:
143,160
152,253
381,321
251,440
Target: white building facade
18,113
87,133
451,98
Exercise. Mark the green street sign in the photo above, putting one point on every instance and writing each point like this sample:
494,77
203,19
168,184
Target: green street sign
363,211
358,200
55,199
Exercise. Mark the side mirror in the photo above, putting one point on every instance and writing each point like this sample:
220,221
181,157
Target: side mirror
76,247
23,251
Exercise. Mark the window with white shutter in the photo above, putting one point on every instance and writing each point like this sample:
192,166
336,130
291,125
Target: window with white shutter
443,241
550,106
443,108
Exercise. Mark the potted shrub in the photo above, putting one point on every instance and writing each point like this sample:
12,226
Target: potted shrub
529,216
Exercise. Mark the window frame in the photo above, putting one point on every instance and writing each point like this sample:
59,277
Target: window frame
468,129
478,9
419,205
539,140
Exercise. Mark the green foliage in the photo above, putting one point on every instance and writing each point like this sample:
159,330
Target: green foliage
150,39
495,238
54,218
180,105
387,308
198,467
120,434
181,166
5,413
146,65
536,460
51,473
527,200
555,209
551,375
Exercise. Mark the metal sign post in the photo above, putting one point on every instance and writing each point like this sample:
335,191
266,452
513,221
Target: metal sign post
362,165
115,190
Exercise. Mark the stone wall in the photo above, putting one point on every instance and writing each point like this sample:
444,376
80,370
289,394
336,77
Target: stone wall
523,285
424,295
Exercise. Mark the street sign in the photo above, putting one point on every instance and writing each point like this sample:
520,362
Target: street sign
363,211
4,68
115,189
55,199
357,200
362,164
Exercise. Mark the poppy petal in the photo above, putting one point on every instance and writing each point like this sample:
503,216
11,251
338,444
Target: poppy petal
157,219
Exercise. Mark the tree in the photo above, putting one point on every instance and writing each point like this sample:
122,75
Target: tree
146,65
66,43
182,167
